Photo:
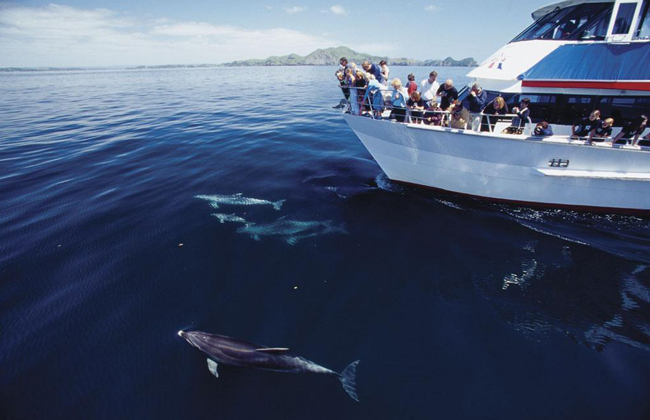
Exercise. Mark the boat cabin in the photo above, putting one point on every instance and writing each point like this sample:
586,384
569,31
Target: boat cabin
577,56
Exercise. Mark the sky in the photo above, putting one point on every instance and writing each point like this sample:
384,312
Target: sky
100,33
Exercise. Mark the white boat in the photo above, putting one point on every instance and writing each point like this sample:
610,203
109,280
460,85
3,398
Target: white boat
576,57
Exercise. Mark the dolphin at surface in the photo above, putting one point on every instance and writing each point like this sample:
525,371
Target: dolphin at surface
235,352
238,200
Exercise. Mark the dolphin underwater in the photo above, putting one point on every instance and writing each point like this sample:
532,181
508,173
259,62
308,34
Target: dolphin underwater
238,200
291,230
235,352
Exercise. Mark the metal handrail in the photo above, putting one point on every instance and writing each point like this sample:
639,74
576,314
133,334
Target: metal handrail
408,111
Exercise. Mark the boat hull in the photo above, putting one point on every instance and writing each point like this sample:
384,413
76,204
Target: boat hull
515,169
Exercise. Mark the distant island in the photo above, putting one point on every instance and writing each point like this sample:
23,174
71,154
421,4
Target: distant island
320,57
331,56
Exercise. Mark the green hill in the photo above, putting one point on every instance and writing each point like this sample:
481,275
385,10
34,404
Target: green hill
331,56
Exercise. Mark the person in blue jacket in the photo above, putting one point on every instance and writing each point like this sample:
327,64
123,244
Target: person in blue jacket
477,98
373,69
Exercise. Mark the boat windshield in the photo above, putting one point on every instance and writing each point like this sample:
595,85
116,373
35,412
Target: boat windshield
644,22
586,21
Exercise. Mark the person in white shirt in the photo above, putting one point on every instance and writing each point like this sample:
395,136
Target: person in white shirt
428,89
385,71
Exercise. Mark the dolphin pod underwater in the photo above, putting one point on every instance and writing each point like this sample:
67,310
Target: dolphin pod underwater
235,352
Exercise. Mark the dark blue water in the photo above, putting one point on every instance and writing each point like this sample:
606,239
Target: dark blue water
456,308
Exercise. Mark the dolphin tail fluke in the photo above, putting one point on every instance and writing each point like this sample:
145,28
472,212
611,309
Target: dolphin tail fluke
349,380
278,204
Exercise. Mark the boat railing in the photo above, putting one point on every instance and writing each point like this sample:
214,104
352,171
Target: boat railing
367,105
358,103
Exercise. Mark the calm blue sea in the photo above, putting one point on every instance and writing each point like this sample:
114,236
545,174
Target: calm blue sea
457,308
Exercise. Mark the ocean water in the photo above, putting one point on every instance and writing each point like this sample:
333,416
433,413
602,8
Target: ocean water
119,226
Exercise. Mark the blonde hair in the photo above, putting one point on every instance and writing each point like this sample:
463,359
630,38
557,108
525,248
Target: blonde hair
396,83
500,102
449,82
609,121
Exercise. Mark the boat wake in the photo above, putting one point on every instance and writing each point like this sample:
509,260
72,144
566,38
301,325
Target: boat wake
623,236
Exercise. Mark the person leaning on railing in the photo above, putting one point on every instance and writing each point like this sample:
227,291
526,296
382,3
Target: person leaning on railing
459,115
416,106
586,125
361,84
447,93
477,98
373,95
343,83
602,131
398,99
497,107
373,69
632,130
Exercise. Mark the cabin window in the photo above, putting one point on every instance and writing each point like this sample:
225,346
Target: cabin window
567,109
624,18
585,21
575,107
644,21
622,108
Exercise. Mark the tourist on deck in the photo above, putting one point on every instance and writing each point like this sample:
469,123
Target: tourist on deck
459,115
385,71
497,107
516,127
522,113
350,80
586,125
433,115
343,83
447,93
373,95
632,130
411,86
361,84
373,69
602,131
428,89
398,99
477,98
543,129
343,65
416,106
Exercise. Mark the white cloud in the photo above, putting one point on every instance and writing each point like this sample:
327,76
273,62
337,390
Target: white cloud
431,8
57,35
338,10
294,9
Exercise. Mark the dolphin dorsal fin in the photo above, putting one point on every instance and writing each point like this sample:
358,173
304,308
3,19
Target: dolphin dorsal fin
273,349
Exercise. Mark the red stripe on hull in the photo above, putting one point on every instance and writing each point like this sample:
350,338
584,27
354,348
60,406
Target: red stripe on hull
589,209
643,86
